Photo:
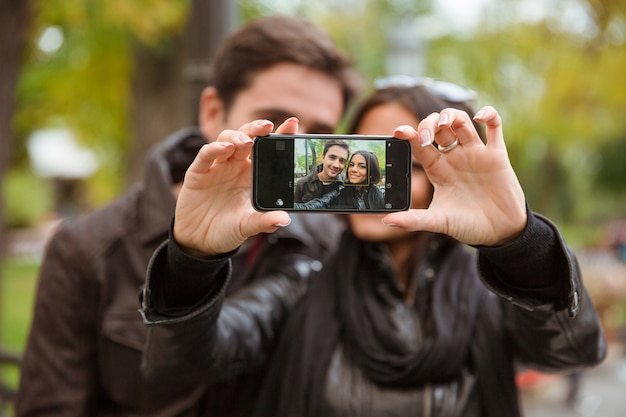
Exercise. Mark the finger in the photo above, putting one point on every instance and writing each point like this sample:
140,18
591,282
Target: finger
493,123
460,123
208,154
289,126
422,146
242,143
444,135
435,129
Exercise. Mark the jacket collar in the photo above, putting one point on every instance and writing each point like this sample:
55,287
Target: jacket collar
165,161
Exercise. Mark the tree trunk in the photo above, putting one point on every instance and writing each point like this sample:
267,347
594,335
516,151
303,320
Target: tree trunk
167,86
15,18
210,21
158,94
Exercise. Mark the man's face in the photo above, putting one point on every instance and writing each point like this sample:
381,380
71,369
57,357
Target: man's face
282,91
333,163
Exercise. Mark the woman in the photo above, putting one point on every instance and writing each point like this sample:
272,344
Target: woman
361,188
398,322
358,192
410,348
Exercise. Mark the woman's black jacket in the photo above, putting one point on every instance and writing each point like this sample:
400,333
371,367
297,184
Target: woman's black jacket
212,338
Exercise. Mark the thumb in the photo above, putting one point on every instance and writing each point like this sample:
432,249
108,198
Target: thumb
289,126
267,222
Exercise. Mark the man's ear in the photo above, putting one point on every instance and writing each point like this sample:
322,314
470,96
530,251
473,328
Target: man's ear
211,115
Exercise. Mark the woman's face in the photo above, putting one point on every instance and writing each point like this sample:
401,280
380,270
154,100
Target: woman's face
357,169
382,120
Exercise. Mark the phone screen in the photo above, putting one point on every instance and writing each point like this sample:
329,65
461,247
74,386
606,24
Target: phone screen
337,173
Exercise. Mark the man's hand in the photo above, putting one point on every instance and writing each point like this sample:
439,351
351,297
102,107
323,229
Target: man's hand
213,211
478,199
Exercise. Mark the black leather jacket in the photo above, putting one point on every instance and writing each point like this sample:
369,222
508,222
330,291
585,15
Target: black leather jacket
218,338
310,187
320,203
346,197
369,197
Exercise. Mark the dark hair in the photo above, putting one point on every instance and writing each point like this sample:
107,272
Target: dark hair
373,167
272,40
335,142
417,100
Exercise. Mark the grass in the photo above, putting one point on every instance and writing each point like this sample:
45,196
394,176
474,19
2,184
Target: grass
17,292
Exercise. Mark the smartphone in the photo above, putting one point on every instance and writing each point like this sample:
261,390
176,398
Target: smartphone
331,173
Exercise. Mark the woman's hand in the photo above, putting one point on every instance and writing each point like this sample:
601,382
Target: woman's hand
478,199
213,211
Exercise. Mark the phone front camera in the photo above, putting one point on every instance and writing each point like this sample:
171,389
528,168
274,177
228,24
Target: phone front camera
280,202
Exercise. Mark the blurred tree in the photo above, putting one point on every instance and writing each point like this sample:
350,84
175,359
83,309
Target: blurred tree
208,24
97,68
15,19
612,172
119,77
169,76
558,82
554,70
158,105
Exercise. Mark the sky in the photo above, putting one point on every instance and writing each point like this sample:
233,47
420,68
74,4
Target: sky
463,13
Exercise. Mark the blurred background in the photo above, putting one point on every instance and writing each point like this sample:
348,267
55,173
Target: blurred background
86,86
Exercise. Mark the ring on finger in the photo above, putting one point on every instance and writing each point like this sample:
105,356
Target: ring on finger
449,147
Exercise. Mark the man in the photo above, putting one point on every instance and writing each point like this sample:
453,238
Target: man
328,176
84,350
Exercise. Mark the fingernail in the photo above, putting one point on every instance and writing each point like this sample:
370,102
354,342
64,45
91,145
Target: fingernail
443,119
403,129
480,114
387,224
264,123
282,224
425,138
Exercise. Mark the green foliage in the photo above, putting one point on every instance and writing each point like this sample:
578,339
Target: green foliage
85,85
612,173
561,96
27,198
17,293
